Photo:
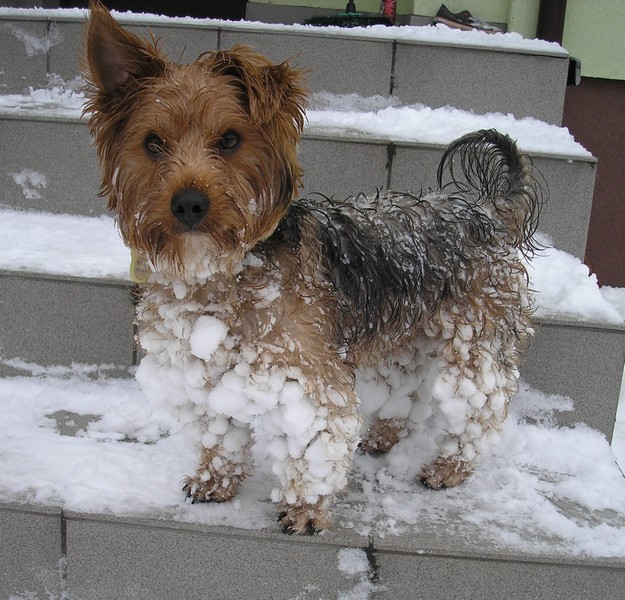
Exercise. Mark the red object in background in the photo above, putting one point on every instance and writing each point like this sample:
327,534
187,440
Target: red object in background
593,113
389,9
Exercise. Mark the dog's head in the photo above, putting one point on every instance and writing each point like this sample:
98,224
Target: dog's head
198,158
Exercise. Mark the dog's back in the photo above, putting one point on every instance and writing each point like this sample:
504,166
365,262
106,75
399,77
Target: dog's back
396,257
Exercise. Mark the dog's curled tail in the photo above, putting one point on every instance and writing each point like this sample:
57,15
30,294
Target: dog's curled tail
493,170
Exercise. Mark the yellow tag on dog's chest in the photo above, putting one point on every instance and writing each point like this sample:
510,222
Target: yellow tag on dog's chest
139,269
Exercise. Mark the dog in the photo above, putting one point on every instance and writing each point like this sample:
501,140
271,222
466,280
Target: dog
324,324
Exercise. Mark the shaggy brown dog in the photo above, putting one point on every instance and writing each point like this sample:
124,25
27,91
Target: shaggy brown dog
265,314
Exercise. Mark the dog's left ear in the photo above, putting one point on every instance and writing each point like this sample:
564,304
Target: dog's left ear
115,58
268,90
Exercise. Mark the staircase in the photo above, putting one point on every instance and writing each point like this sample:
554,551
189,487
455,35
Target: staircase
88,319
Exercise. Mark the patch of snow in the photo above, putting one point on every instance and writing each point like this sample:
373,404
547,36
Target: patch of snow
62,245
33,44
564,286
31,183
616,297
206,336
384,119
60,98
354,564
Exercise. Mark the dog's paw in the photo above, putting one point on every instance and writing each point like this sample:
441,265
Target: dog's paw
382,435
445,472
198,490
304,519
375,446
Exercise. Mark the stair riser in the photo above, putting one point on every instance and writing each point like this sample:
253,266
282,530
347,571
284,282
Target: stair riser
49,321
440,578
334,167
481,81
582,362
469,78
59,150
108,557
567,184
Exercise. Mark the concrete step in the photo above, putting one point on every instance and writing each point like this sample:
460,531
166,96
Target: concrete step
49,163
48,552
58,307
88,512
432,66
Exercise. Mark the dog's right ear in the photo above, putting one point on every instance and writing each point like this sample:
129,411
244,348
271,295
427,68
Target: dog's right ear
115,57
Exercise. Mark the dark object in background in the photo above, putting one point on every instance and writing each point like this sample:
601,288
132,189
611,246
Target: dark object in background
463,20
233,10
350,18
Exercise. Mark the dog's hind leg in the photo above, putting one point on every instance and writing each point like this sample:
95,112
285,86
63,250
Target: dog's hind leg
382,435
389,395
476,364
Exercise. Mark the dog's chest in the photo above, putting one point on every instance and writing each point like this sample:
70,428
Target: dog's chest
213,322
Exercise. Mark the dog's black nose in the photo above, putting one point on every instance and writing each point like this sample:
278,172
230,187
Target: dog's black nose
189,206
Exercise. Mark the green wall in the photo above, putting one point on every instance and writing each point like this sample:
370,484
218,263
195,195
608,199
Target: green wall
594,32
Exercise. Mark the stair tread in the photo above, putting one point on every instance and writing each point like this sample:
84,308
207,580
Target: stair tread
420,124
91,247
69,245
544,492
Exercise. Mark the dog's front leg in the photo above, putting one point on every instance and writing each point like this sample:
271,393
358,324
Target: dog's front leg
315,435
224,461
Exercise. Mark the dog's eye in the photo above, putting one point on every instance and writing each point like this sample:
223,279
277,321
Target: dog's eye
154,145
228,142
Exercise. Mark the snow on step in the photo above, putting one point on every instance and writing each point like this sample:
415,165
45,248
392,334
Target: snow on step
383,119
350,115
62,245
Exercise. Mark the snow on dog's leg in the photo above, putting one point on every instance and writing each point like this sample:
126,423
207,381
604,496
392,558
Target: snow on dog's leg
388,394
476,377
314,436
224,461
